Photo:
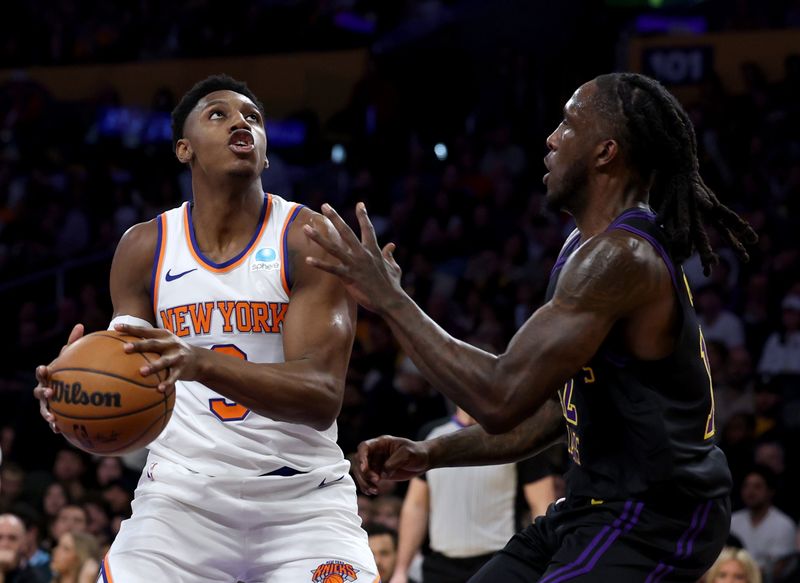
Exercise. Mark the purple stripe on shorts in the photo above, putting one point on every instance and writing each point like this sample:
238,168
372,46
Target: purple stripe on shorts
687,539
574,569
658,248
700,528
688,531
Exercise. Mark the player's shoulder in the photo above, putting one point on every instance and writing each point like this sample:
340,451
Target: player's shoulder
617,252
140,240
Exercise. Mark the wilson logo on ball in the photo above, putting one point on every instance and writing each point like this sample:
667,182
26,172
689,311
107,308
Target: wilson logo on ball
73,394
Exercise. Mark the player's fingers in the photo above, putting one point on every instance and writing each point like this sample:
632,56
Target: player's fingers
42,374
388,255
368,238
339,270
156,345
77,332
347,234
140,331
167,361
335,248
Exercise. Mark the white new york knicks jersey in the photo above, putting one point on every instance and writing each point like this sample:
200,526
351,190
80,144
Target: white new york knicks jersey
237,307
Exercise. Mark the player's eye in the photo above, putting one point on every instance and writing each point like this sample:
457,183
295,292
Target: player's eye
254,116
216,114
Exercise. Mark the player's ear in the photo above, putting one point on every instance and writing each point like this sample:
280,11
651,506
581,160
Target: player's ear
606,151
183,151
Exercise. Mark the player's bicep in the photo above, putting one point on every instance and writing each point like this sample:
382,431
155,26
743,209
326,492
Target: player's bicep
320,322
131,270
602,283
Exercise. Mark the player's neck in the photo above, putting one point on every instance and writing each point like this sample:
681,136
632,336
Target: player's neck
225,216
607,198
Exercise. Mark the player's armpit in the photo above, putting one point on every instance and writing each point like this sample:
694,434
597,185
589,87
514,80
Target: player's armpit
131,272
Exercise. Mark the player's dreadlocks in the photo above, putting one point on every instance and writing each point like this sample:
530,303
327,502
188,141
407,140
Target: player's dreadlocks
657,136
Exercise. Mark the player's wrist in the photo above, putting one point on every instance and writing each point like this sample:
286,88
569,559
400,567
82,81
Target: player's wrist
393,303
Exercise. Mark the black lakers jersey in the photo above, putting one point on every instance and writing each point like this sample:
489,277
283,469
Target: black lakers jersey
638,427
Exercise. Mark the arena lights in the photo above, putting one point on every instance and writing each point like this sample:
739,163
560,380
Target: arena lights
338,154
441,151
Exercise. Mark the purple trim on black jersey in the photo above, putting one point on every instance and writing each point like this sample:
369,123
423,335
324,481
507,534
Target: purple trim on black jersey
247,248
565,254
599,545
287,267
658,247
633,213
159,242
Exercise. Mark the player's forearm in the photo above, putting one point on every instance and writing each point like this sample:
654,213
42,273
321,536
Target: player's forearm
461,372
473,446
297,391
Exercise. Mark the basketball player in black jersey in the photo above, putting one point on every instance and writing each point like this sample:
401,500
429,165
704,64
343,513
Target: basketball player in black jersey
616,351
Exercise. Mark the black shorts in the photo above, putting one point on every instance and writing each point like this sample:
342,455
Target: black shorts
627,541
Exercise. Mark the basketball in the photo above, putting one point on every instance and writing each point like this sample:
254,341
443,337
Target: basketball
101,402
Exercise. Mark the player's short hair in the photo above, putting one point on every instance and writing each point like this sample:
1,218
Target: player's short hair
202,88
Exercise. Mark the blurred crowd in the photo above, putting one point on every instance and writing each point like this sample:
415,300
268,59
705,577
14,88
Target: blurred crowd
464,203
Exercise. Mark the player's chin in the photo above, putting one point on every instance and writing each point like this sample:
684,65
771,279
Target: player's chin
243,168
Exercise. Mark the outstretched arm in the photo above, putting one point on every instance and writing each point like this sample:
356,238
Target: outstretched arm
396,458
606,279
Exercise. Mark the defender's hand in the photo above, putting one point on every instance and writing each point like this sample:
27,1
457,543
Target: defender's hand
371,275
179,359
42,392
389,458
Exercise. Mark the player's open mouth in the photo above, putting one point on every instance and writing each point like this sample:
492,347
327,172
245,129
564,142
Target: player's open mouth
241,142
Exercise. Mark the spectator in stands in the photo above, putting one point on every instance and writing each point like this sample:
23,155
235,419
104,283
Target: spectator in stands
75,558
781,354
12,539
735,392
386,510
71,518
383,543
767,533
717,322
733,566
54,499
69,468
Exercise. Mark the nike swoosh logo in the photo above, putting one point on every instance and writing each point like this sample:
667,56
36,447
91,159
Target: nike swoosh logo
325,484
170,277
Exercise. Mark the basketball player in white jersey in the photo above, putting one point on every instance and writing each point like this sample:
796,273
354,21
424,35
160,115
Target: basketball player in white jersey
246,482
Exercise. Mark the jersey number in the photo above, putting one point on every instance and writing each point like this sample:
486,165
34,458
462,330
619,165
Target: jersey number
710,429
228,410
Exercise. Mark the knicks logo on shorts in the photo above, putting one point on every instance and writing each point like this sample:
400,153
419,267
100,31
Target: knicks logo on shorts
334,572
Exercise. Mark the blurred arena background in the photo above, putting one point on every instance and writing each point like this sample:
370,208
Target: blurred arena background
433,112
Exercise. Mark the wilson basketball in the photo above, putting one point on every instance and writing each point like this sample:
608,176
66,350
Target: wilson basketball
101,402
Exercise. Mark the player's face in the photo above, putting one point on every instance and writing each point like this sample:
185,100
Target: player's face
224,135
570,145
